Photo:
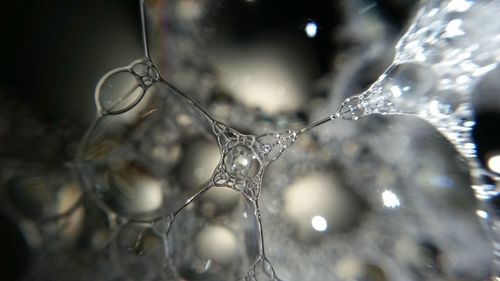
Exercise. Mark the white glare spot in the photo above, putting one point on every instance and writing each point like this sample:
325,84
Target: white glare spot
454,28
396,91
390,199
460,5
319,223
311,29
482,214
494,163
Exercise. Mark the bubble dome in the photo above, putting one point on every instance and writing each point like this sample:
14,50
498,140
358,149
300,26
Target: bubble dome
232,151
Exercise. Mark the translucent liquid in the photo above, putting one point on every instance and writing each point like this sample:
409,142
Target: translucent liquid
426,80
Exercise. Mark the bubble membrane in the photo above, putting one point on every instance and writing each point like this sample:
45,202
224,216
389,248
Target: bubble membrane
130,159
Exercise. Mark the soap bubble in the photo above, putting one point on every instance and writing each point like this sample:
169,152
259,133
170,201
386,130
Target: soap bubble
171,193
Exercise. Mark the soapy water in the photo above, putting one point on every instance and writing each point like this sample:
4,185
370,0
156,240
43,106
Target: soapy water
437,64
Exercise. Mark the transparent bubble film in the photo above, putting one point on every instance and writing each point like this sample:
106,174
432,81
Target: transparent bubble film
206,160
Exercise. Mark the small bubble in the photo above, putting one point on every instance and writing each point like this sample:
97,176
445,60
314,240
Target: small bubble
241,162
140,69
266,148
118,91
353,108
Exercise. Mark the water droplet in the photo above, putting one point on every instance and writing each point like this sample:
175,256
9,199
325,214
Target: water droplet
241,162
353,108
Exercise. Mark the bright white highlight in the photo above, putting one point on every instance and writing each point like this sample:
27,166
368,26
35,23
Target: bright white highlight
494,163
311,29
460,5
319,223
396,92
390,199
482,214
454,28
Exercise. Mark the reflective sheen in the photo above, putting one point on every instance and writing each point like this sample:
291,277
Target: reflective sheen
241,162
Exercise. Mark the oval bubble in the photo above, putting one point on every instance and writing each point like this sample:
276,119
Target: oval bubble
118,91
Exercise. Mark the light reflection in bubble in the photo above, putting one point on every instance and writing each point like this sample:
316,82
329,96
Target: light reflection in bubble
311,29
390,199
494,163
319,223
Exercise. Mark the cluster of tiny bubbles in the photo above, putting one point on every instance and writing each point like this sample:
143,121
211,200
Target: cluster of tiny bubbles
128,164
438,64
164,227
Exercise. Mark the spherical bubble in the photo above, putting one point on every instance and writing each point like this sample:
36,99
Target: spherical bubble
241,162
352,108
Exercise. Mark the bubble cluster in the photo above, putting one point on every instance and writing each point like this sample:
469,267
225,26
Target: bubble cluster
422,81
197,217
